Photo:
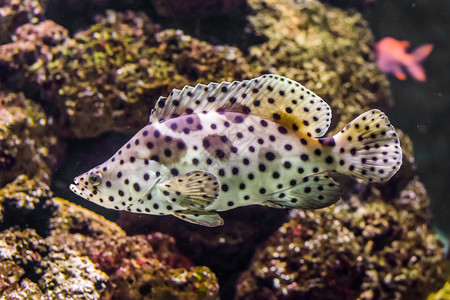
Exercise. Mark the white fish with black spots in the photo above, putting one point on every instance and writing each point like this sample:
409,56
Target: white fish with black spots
215,147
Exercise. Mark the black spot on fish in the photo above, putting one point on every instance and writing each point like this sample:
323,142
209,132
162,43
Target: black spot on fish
235,170
270,156
239,119
206,143
282,130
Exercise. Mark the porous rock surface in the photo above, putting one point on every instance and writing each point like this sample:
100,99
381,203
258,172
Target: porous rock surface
53,249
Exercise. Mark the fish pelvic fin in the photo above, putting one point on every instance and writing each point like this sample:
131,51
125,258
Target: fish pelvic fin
313,192
415,67
194,190
271,97
368,148
204,218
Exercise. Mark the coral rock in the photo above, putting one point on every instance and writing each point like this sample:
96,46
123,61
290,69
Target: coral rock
58,273
83,255
14,13
109,76
28,144
366,249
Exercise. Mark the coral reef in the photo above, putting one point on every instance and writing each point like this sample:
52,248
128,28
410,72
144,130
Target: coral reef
27,143
67,251
103,78
374,245
18,12
368,250
58,273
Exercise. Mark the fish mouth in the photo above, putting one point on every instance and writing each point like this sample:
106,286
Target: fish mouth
76,190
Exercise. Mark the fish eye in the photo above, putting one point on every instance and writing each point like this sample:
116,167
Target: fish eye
95,178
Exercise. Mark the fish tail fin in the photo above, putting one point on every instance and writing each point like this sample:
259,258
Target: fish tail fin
417,56
422,52
368,148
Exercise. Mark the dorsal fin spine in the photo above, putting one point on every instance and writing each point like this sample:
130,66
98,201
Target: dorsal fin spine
279,99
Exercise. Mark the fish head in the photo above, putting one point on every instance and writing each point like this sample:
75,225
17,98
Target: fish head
117,184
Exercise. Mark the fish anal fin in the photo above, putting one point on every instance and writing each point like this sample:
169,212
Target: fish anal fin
400,75
313,192
204,218
197,189
270,97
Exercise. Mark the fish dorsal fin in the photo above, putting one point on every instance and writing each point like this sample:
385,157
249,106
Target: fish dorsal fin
270,97
195,190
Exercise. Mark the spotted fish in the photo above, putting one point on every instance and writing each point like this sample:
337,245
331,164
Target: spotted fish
215,147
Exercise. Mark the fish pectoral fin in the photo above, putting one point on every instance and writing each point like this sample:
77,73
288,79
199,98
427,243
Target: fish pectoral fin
196,190
204,218
314,192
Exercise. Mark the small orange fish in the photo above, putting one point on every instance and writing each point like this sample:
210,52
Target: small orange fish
392,56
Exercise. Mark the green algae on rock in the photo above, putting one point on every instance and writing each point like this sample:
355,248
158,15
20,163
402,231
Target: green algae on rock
442,294
27,142
109,76
58,273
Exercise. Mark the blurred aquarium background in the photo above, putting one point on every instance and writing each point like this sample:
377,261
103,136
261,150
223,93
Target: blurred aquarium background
78,79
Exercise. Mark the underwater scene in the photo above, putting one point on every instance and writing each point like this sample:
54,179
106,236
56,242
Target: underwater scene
224,149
